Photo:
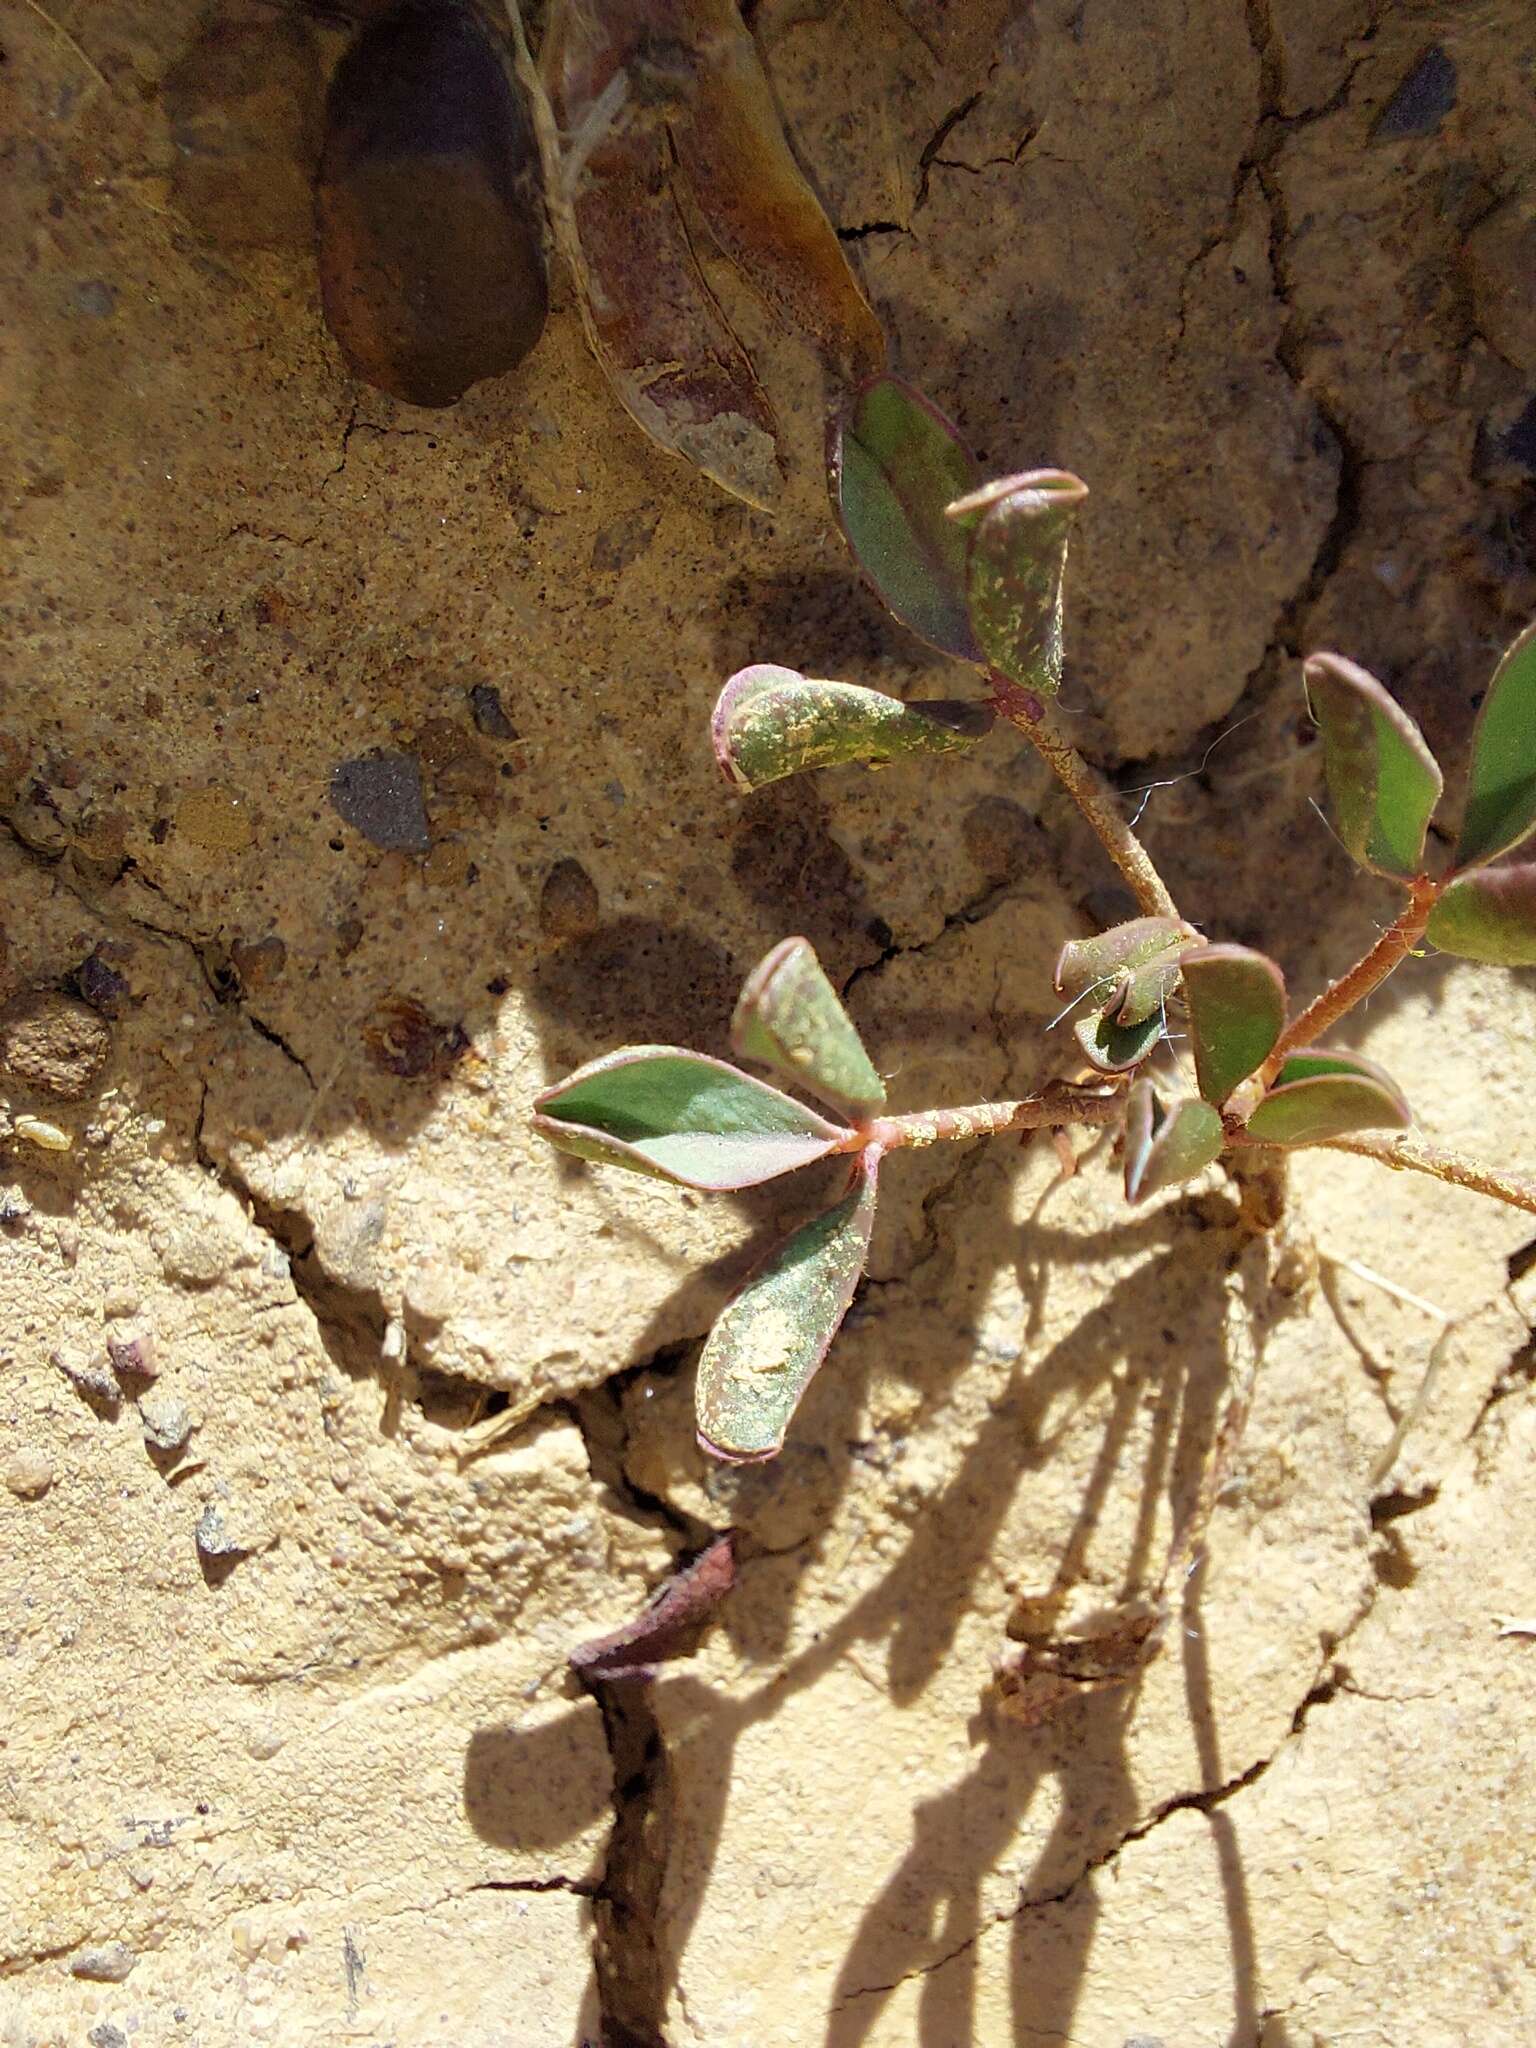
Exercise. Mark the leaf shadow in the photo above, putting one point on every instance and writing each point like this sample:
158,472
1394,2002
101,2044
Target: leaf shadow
926,1917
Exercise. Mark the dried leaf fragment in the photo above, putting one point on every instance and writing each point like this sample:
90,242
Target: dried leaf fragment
669,1627
611,76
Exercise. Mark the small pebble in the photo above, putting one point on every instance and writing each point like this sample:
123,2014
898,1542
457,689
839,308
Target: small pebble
196,1250
568,902
258,961
89,1376
107,2036
1422,100
108,1964
404,1039
53,1043
133,1355
101,985
486,707
264,1741
380,794
167,1422
95,298
214,1539
28,1473
39,827
45,1136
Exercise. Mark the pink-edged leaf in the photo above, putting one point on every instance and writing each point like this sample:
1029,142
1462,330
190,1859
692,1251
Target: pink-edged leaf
1488,915
1236,1003
766,1345
1320,1094
1018,530
897,464
1501,795
1128,972
791,1018
1383,781
770,722
1165,1147
683,1117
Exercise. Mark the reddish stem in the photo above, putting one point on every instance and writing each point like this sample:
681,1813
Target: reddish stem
1368,973
1087,789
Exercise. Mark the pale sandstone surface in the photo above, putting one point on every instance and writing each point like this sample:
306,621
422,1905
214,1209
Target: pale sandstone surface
852,1818
288,1750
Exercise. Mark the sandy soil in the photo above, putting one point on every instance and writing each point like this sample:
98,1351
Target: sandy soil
289,1751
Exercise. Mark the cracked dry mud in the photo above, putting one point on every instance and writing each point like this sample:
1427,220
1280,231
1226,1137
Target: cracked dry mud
289,1751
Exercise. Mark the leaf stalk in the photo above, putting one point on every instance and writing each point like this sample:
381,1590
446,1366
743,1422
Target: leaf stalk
1088,790
1352,987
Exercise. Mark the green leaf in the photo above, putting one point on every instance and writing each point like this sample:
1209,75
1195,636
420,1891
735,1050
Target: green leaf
1501,799
1018,557
1165,1147
1128,971
764,1350
771,722
1236,1003
1383,781
1114,1048
1489,915
1320,1095
791,1018
683,1117
897,463
1313,1062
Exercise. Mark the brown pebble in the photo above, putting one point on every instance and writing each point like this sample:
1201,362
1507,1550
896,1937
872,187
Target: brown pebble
258,961
53,1043
568,903
427,212
38,825
446,865
28,1473
489,714
215,819
100,984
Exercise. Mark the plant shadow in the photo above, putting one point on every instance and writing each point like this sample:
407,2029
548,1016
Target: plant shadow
1121,1359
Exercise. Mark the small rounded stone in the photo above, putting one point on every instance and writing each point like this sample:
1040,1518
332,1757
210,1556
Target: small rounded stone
28,1473
108,1963
568,905
53,1043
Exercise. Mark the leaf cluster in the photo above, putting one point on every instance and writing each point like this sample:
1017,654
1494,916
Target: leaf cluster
977,570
